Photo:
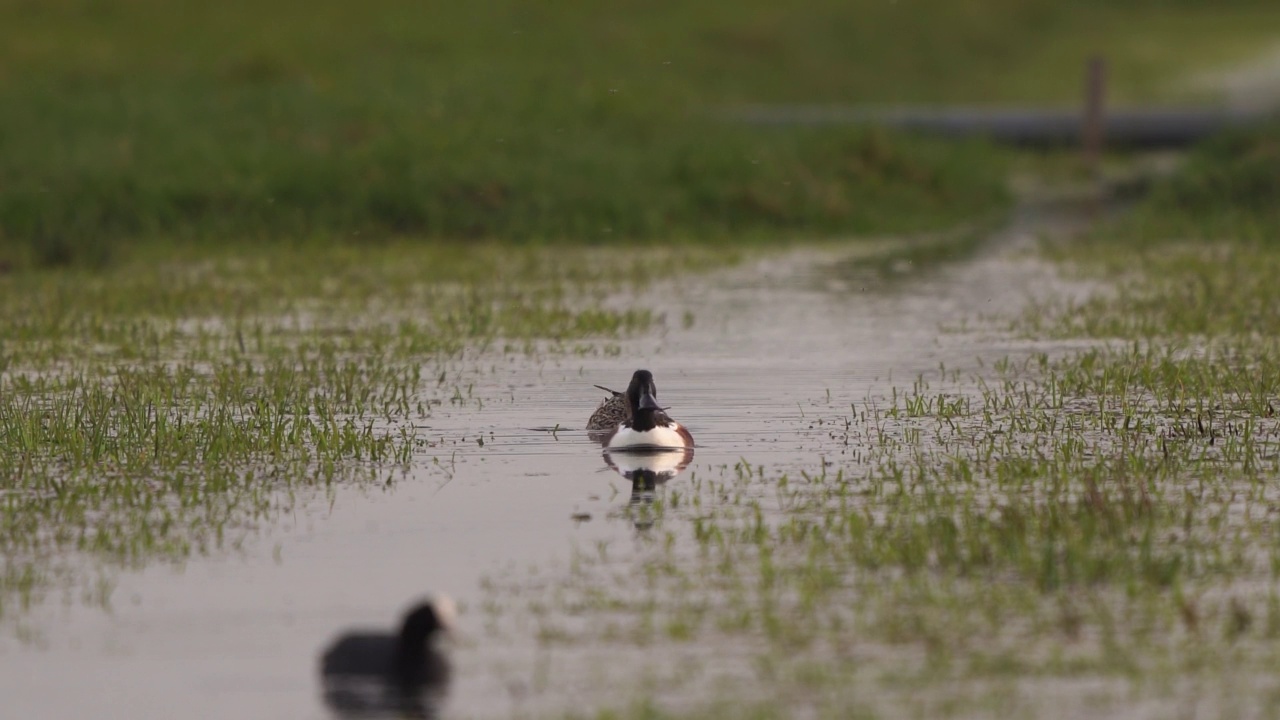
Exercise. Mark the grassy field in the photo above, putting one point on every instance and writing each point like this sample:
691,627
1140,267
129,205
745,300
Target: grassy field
176,122
1075,533
157,409
229,202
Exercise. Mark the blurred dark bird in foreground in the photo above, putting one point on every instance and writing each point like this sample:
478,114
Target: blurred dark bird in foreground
403,673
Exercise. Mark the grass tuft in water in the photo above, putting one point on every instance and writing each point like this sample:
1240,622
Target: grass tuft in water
1078,531
153,411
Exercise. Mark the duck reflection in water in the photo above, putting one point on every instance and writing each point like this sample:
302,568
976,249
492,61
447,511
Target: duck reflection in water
400,674
647,469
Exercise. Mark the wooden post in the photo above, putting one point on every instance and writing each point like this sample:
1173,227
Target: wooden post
1093,125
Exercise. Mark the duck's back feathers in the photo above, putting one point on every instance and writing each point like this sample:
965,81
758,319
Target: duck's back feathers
611,413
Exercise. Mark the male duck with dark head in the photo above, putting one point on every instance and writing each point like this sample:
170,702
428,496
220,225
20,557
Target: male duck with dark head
649,426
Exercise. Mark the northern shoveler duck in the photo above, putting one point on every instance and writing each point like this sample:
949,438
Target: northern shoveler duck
402,671
612,411
649,426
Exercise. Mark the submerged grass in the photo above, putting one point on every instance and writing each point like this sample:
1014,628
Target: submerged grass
154,410
1067,533
1099,523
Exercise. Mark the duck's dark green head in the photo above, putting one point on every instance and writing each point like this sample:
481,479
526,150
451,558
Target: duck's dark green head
642,394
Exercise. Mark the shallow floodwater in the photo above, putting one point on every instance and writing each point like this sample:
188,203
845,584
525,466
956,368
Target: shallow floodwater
237,635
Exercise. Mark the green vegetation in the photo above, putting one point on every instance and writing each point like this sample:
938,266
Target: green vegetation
1226,192
217,210
238,121
157,409
1195,261
1066,533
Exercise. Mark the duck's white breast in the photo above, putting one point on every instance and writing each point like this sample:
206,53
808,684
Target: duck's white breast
655,437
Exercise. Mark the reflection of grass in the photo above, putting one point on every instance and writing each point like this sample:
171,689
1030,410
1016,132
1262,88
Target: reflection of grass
1079,533
260,120
150,411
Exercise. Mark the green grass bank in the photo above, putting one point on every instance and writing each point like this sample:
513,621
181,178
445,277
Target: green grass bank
1073,532
182,122
1079,531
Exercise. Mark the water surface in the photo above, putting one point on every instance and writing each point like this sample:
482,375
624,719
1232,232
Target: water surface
773,347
